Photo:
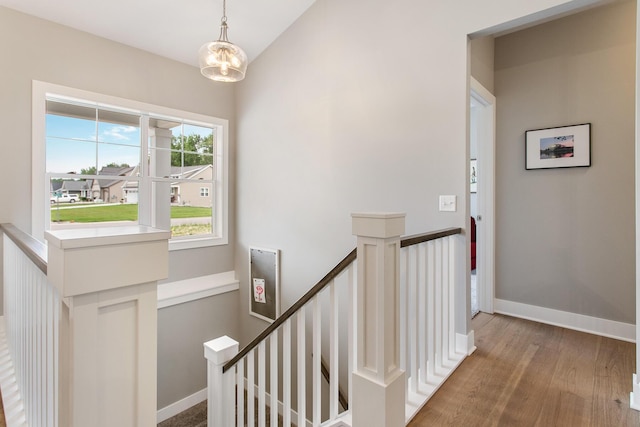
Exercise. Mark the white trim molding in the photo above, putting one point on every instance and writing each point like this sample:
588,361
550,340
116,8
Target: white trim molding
634,396
182,291
485,111
181,405
466,343
579,322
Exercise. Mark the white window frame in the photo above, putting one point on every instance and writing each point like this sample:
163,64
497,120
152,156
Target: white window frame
204,191
40,222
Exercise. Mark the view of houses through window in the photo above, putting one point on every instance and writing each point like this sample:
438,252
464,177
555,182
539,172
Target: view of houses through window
108,165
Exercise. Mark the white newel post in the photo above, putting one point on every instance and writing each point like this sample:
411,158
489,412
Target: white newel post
378,382
107,278
220,386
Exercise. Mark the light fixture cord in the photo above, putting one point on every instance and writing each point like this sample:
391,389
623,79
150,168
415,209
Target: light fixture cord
224,10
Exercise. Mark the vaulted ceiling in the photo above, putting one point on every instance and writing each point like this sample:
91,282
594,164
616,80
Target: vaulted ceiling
171,28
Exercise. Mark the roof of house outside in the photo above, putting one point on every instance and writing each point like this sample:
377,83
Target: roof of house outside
110,171
187,171
55,185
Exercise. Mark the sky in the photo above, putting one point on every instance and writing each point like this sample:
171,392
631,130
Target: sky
74,143
567,141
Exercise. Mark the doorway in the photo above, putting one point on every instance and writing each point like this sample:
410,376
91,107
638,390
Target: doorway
482,206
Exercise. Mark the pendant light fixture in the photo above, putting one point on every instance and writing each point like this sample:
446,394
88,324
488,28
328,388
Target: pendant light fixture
221,60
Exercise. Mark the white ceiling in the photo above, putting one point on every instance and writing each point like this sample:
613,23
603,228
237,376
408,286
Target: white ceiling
171,28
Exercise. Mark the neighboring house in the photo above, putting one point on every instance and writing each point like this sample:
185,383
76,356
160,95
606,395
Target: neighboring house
81,188
130,188
114,189
182,193
192,193
111,189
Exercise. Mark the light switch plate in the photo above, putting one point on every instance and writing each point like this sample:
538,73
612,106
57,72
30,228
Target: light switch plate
447,203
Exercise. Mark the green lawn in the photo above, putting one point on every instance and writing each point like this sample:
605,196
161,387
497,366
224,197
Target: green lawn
124,212
189,212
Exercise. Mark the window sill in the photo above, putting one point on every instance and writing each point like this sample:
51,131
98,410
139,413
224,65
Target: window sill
182,291
193,243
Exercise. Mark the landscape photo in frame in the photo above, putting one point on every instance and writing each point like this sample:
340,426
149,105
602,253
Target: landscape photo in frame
558,147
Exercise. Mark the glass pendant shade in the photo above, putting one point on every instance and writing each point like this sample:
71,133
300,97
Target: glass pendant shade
221,60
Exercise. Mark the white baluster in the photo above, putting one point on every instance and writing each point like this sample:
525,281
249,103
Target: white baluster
251,386
414,309
439,302
40,353
262,385
404,313
317,361
423,359
351,324
273,347
240,389
301,354
56,354
333,352
446,326
452,299
431,309
286,373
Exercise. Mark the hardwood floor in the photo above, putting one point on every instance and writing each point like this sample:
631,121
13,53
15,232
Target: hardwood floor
530,374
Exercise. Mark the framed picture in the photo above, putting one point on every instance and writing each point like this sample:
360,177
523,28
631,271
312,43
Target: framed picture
473,176
264,283
560,147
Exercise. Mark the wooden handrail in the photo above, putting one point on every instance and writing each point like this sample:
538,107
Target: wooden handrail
408,241
293,309
35,250
425,237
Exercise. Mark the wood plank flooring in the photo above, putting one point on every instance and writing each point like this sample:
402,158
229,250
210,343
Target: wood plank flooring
530,374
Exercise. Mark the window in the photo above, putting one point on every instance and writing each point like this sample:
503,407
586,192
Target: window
126,162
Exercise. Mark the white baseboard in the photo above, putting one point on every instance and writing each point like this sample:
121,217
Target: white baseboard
181,405
579,322
465,344
634,396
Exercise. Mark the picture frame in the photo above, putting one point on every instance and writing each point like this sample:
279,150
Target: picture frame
558,147
473,175
264,283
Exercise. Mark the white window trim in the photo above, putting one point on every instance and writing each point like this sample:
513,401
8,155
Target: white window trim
40,188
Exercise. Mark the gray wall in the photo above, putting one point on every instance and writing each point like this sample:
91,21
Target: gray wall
36,49
185,327
327,126
481,59
565,237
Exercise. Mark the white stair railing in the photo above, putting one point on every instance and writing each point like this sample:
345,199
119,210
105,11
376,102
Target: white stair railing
427,325
282,357
268,373
31,322
79,349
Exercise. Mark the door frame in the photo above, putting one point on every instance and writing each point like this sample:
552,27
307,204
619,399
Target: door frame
485,246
